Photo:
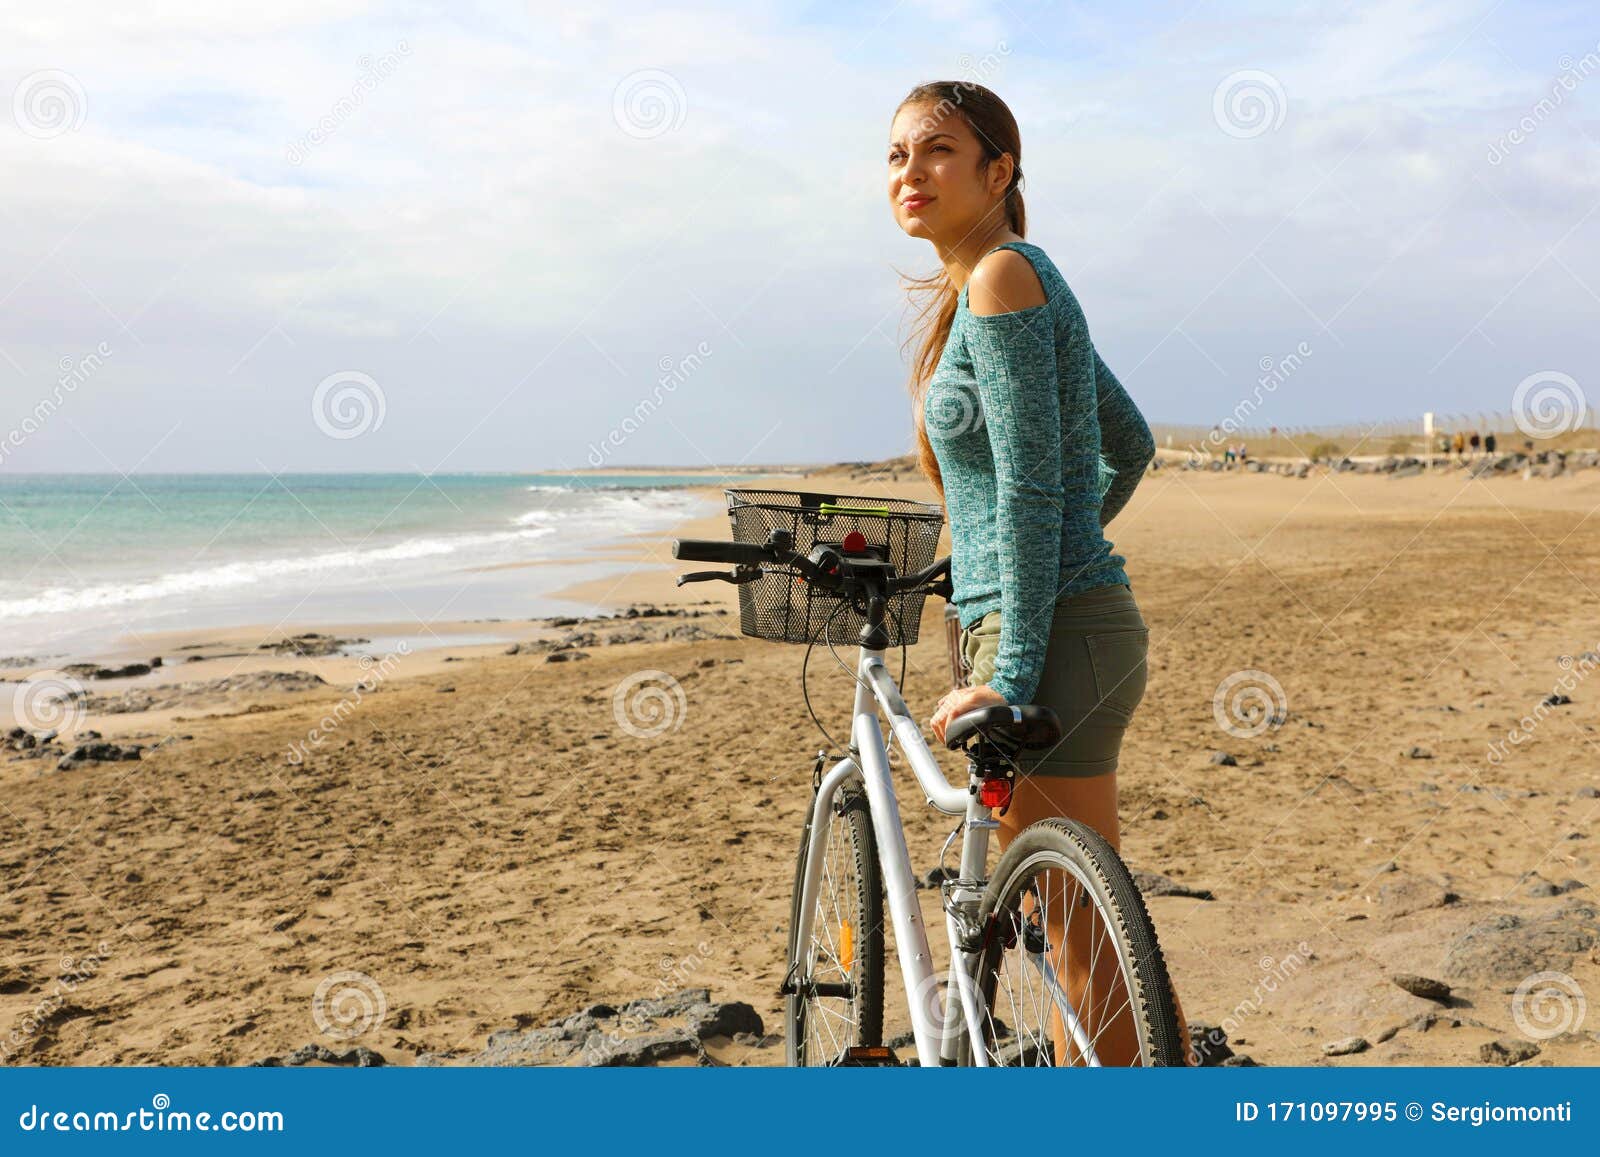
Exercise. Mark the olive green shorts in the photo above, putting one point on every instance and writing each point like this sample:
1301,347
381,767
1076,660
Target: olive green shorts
1094,676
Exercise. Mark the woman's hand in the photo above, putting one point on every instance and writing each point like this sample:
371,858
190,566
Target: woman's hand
959,702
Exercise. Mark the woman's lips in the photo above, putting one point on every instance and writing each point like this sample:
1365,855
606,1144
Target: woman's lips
912,204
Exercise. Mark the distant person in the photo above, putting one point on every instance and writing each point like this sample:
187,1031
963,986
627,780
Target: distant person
1459,443
1242,454
1473,442
1488,443
1227,454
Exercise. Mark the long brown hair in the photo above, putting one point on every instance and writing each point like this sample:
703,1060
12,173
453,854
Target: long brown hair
934,296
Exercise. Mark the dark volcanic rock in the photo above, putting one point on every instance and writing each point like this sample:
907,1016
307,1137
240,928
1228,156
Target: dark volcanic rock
310,645
1403,893
1155,884
98,753
1210,1044
1509,947
1423,986
359,1057
711,1020
169,695
1507,1051
605,1052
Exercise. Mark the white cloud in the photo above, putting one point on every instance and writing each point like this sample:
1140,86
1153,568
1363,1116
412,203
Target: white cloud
478,216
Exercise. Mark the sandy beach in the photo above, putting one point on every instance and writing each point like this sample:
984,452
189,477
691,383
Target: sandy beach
482,838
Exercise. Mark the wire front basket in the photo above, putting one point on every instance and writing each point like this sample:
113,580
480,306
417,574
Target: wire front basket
780,607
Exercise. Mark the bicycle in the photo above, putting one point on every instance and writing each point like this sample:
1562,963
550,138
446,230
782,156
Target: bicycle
800,558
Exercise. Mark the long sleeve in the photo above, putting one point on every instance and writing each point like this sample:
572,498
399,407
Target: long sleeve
1125,440
1014,364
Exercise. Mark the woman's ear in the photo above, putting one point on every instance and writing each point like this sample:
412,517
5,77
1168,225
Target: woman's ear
1000,170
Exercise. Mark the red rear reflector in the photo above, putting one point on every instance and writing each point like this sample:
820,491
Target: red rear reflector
995,792
855,542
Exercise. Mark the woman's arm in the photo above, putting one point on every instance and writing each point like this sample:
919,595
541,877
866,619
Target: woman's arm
1125,440
1037,472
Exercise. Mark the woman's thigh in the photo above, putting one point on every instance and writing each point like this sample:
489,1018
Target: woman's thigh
1094,676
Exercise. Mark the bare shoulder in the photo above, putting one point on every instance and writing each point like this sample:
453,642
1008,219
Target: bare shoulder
1004,282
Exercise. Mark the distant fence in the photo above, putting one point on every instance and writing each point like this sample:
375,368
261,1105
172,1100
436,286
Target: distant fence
1378,436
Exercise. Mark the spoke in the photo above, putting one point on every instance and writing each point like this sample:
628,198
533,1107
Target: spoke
1047,899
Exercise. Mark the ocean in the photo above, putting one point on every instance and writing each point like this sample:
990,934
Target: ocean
86,559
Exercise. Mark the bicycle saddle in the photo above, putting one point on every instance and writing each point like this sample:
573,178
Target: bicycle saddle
1027,727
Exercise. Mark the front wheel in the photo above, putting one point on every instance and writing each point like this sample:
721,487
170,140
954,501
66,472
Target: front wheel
837,977
1069,969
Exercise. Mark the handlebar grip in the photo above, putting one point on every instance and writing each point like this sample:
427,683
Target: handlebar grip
709,550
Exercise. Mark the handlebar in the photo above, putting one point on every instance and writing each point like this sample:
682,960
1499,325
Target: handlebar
709,550
826,566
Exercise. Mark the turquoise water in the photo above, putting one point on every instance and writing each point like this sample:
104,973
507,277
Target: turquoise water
86,558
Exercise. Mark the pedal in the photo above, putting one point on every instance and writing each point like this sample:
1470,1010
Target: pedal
869,1057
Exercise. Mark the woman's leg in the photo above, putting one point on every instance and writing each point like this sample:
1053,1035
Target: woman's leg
1091,800
1097,645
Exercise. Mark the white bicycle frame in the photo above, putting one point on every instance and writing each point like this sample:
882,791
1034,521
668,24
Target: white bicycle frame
930,1015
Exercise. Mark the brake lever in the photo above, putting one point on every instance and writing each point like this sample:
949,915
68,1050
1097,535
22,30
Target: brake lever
738,576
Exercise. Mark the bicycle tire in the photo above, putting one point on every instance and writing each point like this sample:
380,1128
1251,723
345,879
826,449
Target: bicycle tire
852,841
1085,855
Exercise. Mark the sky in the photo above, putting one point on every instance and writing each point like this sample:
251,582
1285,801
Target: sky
449,237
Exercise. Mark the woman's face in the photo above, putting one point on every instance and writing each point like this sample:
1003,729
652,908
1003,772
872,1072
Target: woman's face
938,188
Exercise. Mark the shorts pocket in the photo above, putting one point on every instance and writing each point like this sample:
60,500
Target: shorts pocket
980,643
1119,660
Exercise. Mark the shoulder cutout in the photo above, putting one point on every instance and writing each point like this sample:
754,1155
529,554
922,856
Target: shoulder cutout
1004,282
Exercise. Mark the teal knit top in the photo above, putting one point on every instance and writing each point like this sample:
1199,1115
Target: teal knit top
1039,446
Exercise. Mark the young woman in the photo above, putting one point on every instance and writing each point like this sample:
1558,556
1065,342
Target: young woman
1034,446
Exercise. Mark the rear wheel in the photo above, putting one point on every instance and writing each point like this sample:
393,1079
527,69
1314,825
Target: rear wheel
1067,937
840,1002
